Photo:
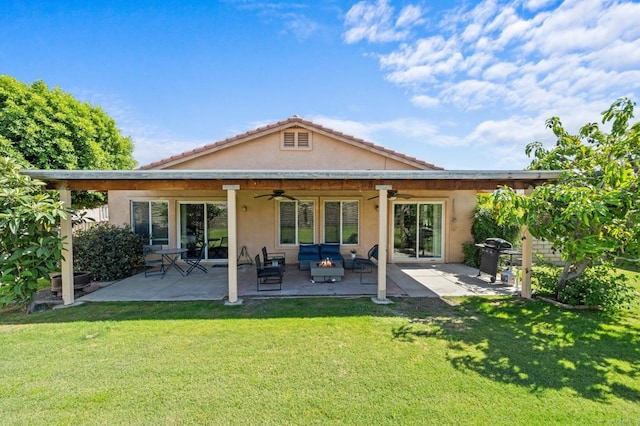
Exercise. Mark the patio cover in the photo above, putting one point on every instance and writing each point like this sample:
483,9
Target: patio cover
231,181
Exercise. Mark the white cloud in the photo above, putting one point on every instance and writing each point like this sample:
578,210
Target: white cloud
374,22
424,101
496,55
409,16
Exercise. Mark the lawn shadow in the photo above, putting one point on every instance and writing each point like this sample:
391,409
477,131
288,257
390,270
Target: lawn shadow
540,346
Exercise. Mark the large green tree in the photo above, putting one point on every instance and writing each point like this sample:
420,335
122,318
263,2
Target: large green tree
30,246
50,129
591,213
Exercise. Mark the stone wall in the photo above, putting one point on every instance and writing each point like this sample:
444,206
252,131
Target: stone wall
543,247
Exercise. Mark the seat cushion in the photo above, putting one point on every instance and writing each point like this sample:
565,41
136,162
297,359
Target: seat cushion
309,252
332,251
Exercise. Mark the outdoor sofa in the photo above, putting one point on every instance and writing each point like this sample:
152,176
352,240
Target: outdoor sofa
311,253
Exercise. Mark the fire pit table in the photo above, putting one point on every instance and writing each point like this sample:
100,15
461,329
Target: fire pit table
327,271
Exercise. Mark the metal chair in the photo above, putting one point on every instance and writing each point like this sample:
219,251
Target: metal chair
269,258
152,260
194,262
366,266
268,275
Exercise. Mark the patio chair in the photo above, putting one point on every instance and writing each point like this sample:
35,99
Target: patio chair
268,275
366,266
194,262
269,258
151,260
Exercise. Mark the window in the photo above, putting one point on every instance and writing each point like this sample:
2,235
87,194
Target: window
341,222
150,220
297,222
296,139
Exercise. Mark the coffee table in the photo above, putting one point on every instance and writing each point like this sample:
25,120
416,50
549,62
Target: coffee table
327,274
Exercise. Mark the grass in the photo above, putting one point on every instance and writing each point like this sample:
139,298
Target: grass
320,361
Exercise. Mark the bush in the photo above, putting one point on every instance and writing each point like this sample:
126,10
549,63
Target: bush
544,280
107,251
599,286
486,226
471,254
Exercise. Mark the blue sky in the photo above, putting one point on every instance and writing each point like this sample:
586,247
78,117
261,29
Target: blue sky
462,84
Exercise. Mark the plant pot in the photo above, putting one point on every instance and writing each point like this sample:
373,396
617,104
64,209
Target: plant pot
80,280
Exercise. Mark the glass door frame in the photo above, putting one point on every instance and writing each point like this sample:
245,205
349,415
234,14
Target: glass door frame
417,257
206,227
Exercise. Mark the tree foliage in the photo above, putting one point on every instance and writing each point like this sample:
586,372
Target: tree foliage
485,225
590,214
30,246
50,129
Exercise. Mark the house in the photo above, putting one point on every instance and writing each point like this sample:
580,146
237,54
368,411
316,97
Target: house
295,182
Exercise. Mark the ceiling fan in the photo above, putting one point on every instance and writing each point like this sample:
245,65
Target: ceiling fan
392,194
277,194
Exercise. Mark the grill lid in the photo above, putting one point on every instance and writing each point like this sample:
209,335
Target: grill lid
498,243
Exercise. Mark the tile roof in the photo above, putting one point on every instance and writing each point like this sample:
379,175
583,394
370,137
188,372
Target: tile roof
289,122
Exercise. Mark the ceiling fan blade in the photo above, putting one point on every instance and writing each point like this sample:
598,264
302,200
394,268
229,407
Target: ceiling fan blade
371,198
264,195
289,197
405,196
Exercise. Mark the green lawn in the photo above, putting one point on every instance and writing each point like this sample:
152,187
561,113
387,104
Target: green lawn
320,361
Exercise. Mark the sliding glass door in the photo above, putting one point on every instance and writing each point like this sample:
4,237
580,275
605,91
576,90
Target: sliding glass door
204,222
418,231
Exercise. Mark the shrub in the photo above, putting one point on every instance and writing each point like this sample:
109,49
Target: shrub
544,279
486,226
107,251
471,254
599,286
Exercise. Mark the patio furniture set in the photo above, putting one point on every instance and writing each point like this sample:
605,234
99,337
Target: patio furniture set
155,257
324,262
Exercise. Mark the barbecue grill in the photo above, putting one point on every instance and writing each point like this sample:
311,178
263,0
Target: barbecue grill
492,249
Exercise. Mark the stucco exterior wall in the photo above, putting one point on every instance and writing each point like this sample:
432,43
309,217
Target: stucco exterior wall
266,153
258,217
258,225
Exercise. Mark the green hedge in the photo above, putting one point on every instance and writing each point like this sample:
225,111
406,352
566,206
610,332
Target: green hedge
107,251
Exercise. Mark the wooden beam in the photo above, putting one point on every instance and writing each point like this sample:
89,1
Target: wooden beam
265,184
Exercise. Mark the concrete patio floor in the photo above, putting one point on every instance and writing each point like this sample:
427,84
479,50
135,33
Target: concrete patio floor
403,280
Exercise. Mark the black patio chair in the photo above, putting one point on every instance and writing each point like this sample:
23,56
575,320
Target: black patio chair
268,275
152,261
366,266
194,262
269,258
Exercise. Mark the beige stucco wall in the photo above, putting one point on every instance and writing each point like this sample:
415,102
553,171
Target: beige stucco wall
266,153
258,225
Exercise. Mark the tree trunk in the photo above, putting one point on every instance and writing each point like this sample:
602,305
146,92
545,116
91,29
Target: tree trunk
571,271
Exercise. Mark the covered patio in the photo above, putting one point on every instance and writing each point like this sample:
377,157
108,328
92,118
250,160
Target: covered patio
233,183
403,280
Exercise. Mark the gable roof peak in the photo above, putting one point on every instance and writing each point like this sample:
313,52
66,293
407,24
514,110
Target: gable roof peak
294,119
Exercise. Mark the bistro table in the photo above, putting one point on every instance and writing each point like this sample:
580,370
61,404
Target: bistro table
171,255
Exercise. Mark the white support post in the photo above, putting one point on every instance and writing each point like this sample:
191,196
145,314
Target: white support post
382,244
527,257
232,226
67,244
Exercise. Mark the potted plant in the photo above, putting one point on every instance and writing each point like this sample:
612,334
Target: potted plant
353,253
